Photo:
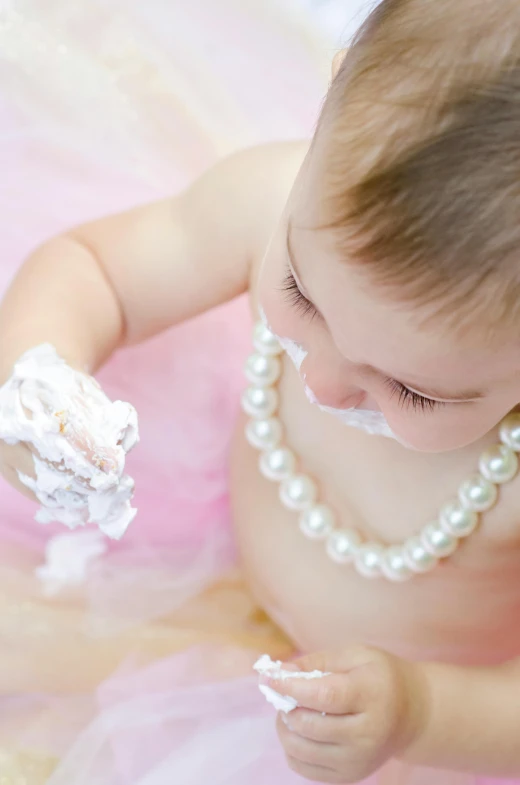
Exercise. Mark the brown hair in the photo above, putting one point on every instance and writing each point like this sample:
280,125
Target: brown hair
423,155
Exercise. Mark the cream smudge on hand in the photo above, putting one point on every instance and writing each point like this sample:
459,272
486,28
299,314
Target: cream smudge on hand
266,667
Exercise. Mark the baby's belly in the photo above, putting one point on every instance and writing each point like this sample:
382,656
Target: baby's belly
467,610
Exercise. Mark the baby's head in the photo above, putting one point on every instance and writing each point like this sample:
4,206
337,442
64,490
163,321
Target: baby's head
402,232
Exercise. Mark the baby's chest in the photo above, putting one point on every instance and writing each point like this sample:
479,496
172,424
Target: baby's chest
388,495
386,491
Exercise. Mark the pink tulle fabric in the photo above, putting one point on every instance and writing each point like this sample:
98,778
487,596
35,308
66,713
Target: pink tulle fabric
141,674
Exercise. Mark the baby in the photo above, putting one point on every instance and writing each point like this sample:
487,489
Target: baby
382,260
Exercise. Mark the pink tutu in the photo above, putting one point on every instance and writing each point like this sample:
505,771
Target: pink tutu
140,674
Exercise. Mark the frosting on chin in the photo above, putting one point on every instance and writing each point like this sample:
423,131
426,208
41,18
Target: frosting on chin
79,439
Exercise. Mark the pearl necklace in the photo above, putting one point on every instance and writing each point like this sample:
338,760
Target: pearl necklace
457,519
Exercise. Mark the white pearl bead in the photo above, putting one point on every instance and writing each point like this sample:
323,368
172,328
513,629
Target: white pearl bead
394,565
262,370
510,431
277,464
317,522
417,557
260,402
499,464
437,541
477,493
457,520
264,341
342,545
264,434
368,560
298,492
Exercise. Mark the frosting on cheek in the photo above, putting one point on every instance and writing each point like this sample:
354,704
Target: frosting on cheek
293,350
296,352
78,437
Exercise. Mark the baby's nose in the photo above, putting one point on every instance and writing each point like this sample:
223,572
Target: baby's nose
332,393
330,380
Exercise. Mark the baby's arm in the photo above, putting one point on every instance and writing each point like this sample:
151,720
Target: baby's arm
126,277
111,282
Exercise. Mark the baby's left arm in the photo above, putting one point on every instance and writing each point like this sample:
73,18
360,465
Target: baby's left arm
373,707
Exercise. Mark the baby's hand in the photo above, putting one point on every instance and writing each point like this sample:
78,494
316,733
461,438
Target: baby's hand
369,709
65,441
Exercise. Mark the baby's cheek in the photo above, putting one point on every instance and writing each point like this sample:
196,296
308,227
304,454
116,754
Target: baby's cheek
415,430
441,430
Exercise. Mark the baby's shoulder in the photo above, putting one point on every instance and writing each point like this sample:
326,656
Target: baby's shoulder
272,167
267,173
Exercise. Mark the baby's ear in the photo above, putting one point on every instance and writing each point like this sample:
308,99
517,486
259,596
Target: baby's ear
337,61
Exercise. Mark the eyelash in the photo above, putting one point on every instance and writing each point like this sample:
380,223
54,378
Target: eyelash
407,398
295,298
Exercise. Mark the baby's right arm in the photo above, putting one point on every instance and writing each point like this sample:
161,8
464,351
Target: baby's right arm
124,278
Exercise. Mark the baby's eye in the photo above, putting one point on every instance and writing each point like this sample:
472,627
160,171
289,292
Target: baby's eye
295,298
407,398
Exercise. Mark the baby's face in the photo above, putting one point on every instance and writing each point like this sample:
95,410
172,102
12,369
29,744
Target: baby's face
360,350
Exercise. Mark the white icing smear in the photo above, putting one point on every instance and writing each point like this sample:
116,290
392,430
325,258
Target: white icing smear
293,350
280,702
310,395
372,422
365,419
265,666
68,558
79,439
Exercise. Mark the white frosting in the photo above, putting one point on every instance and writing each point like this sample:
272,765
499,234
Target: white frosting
372,422
365,419
266,667
68,558
294,351
280,702
79,440
310,395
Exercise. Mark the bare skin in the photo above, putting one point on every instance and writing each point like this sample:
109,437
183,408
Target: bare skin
124,278
388,493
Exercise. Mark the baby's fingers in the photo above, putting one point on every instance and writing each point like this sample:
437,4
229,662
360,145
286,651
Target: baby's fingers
320,762
315,726
332,694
